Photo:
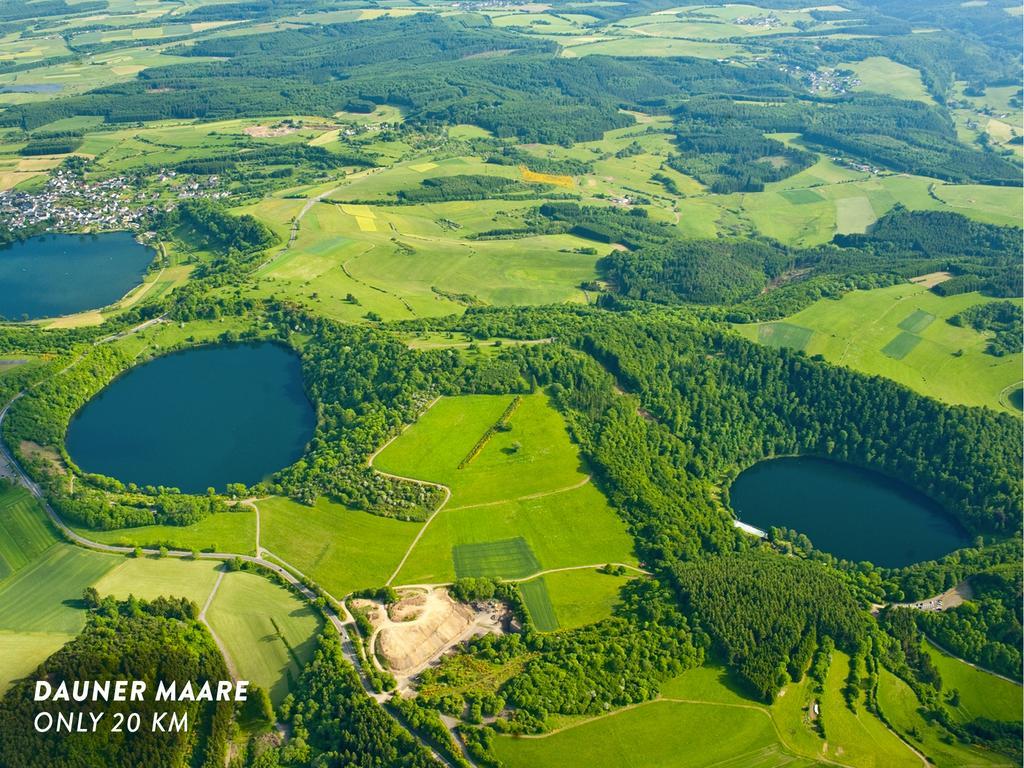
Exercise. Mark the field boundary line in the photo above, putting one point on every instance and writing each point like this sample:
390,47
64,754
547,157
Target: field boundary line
228,661
298,582
444,488
527,497
536,575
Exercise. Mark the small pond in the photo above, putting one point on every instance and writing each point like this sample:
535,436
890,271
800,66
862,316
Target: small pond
849,512
195,419
50,275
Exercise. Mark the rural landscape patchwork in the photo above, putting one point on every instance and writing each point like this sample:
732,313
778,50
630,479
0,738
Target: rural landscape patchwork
499,383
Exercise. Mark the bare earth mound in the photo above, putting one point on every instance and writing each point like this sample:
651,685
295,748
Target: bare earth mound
425,624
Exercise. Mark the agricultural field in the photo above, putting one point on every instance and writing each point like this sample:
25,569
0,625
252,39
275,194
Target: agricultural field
25,531
899,341
350,260
268,632
148,578
862,738
856,739
659,734
342,549
233,531
569,599
521,502
38,605
535,455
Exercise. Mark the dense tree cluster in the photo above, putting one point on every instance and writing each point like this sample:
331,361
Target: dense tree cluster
1004,319
333,722
157,641
986,629
464,187
731,158
733,402
766,612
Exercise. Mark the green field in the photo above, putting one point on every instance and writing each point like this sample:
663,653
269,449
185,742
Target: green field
784,335
341,548
39,606
432,448
883,75
526,484
583,596
867,331
43,596
662,734
25,531
506,559
538,604
903,710
981,694
268,632
148,578
862,737
414,260
564,529
902,344
233,531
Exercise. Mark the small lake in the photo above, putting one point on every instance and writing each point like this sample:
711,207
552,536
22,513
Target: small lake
202,417
849,512
50,275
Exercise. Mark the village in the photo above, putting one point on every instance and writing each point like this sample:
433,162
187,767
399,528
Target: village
69,203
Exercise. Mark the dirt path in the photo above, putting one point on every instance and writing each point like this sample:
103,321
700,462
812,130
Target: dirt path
293,233
539,495
537,575
444,488
232,669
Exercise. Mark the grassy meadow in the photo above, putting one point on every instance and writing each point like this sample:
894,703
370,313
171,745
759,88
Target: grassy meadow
904,712
268,632
148,578
660,734
399,263
886,331
570,599
981,694
39,605
233,531
342,549
680,728
522,501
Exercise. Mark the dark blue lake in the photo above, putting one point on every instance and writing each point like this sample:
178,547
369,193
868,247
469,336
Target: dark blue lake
50,275
199,418
849,512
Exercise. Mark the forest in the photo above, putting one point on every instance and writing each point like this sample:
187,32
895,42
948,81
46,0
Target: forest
153,641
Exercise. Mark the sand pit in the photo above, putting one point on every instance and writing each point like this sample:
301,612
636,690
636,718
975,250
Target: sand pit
424,624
